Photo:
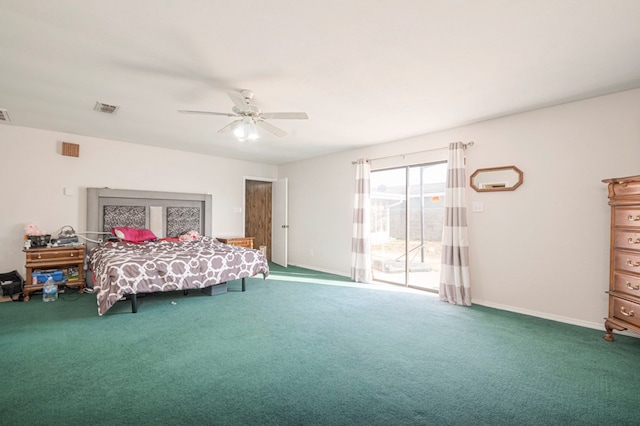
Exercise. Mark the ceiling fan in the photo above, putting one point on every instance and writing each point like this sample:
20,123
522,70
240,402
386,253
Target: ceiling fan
249,116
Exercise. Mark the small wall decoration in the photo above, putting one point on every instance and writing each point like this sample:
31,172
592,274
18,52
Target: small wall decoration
506,178
70,149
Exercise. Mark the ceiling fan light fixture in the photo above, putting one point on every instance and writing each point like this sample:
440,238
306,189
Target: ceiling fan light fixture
239,132
246,129
252,132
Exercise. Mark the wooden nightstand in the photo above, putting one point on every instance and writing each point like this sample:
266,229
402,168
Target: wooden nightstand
246,242
53,258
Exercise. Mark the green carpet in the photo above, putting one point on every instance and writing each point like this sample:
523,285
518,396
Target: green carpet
306,348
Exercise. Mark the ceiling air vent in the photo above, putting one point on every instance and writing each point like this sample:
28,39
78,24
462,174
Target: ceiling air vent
106,108
4,115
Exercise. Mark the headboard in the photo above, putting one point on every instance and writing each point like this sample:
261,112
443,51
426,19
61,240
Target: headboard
167,214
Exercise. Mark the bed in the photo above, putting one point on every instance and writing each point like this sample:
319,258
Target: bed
131,266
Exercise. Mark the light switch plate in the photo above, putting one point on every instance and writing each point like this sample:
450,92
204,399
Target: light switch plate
477,207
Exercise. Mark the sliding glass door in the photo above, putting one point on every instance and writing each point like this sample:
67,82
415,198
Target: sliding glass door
407,207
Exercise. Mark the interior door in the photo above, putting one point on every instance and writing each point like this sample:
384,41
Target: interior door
258,211
280,223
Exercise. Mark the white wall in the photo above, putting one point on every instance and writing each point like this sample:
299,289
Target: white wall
542,249
33,176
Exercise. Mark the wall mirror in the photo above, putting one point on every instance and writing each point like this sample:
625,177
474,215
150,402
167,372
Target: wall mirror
505,178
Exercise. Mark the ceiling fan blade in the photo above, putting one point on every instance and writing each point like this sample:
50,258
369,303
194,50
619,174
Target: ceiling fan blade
229,127
226,114
285,115
271,128
238,100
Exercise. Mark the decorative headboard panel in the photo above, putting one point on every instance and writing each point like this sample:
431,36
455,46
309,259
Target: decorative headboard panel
167,214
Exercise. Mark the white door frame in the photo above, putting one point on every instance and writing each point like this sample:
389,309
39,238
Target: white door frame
280,222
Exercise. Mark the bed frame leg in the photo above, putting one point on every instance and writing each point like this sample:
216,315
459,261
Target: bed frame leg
243,284
134,303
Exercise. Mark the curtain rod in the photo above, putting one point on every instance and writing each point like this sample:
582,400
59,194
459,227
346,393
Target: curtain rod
465,145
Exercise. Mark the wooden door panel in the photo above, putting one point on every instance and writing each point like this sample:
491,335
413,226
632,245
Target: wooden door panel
258,213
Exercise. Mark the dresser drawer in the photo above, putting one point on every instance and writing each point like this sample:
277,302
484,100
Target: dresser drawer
624,189
626,284
52,254
628,240
626,261
626,311
627,218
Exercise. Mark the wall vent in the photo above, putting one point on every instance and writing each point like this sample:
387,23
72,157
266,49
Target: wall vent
4,115
106,108
70,149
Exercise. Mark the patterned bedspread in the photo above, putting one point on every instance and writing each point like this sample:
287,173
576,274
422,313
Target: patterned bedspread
127,268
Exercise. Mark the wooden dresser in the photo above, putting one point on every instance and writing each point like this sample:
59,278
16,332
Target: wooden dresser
624,267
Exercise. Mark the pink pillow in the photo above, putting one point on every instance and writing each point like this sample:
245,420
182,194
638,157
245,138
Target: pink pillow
134,235
188,236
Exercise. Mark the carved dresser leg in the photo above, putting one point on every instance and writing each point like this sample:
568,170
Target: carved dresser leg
610,327
609,334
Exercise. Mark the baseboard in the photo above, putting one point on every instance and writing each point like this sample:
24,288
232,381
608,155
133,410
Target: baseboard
545,315
315,268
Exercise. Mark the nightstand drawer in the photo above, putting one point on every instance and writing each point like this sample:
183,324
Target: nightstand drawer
53,254
246,242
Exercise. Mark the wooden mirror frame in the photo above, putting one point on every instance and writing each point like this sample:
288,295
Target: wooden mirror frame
475,186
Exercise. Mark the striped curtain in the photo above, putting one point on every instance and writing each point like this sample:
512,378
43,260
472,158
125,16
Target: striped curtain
360,247
454,269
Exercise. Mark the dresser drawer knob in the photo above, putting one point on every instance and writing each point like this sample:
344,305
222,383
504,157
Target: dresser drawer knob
632,263
630,241
626,313
635,286
630,218
39,256
71,255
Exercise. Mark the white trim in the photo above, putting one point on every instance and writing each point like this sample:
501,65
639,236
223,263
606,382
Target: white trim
327,271
545,315
263,179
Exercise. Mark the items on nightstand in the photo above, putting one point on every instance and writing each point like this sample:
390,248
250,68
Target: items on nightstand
50,290
66,237
35,237
40,276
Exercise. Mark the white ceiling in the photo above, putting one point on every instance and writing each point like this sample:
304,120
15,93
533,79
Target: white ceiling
366,71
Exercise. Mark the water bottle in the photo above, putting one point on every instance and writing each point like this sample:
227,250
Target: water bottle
50,290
